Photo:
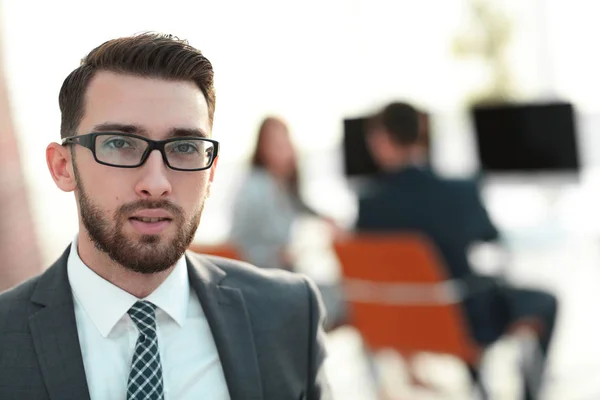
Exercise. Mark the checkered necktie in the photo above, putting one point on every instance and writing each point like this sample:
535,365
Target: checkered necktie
145,378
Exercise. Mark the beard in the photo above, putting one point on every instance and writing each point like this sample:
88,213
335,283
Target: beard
147,254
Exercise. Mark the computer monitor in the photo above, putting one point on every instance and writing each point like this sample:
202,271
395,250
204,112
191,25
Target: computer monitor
358,160
527,138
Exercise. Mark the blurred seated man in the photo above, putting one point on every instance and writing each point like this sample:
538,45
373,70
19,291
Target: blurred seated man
409,197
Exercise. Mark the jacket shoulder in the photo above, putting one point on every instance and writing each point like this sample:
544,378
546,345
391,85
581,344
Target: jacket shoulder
250,278
265,288
15,303
466,189
19,292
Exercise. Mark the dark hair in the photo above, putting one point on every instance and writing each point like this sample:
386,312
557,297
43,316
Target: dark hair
151,55
258,160
401,120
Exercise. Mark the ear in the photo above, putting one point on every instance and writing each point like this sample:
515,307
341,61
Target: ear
374,139
211,177
212,169
60,165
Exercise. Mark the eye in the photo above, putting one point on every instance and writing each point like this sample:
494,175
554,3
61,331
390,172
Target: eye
117,143
185,147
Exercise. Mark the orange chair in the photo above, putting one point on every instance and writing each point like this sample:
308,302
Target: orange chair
226,250
399,297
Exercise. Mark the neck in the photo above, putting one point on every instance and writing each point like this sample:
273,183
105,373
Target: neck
135,283
406,157
279,178
278,175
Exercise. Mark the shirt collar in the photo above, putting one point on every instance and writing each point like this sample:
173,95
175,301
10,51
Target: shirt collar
106,303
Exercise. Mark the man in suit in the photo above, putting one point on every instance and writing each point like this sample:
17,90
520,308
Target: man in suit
409,197
126,313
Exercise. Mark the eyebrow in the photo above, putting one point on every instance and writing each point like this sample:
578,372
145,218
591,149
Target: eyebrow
136,129
125,128
181,132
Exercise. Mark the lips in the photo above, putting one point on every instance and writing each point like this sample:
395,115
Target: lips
150,219
150,225
152,215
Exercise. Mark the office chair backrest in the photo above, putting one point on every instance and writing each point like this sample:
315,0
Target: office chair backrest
399,296
226,250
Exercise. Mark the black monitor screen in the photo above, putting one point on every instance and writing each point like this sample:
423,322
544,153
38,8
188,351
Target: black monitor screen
357,158
527,138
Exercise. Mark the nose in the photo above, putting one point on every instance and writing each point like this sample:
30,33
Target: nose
153,181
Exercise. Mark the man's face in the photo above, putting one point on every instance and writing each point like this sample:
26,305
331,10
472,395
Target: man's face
380,145
144,218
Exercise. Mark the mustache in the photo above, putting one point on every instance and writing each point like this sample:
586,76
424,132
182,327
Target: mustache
144,204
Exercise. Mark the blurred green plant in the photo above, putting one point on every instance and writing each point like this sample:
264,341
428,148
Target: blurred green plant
486,38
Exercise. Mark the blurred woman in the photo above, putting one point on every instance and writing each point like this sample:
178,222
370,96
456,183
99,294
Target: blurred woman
268,201
268,204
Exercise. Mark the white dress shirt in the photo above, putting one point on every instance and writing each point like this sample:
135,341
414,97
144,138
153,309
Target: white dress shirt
190,363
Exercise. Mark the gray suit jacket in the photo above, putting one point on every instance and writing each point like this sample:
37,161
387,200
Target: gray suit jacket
266,326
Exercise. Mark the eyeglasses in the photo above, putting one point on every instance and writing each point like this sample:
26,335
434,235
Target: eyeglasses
126,150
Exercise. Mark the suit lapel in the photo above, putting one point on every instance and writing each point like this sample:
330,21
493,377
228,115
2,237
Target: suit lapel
54,333
229,322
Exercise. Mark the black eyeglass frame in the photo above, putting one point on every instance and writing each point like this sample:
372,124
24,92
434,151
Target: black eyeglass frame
88,140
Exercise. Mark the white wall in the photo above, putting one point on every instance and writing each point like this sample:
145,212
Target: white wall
313,62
